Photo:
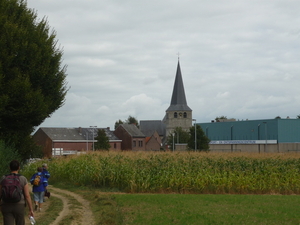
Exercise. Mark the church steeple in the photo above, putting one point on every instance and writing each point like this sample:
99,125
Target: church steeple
178,114
178,101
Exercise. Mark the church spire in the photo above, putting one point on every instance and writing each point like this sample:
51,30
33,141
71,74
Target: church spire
178,101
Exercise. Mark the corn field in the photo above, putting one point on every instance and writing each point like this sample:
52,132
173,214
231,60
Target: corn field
179,172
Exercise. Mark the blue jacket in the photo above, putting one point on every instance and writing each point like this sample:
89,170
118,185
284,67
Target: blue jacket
41,187
46,173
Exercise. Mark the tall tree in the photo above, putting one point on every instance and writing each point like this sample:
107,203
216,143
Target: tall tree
129,120
201,139
178,136
132,120
102,141
32,78
117,123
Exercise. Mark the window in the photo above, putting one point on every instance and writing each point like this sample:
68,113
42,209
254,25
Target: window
140,143
115,145
175,114
184,115
134,143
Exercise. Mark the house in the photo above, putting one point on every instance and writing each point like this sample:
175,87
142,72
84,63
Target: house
132,138
66,141
153,143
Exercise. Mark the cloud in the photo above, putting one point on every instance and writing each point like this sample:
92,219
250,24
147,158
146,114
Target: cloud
238,59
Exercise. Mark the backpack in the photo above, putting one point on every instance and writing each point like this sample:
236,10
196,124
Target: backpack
37,180
12,190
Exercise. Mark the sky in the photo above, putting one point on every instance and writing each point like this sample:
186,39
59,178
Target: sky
239,59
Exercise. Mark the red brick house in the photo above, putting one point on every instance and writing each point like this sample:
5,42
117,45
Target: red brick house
132,138
66,141
153,143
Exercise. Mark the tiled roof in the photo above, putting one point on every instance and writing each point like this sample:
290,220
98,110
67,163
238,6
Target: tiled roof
133,130
148,127
75,134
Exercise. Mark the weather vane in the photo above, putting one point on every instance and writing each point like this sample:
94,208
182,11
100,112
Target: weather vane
178,55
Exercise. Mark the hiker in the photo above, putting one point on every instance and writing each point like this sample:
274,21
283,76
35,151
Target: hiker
47,176
39,184
12,208
45,171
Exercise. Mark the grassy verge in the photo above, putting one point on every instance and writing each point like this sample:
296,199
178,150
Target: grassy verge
119,208
208,209
74,205
52,212
102,203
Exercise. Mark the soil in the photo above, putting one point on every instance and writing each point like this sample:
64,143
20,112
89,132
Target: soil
85,214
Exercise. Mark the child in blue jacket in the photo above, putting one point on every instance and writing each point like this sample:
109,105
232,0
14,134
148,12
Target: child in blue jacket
39,189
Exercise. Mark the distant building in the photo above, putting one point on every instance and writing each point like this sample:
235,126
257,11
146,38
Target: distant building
261,136
66,141
153,142
178,114
132,138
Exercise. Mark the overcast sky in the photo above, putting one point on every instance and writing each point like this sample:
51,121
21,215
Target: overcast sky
239,59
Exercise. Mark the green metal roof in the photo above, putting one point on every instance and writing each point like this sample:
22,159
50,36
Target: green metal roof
282,130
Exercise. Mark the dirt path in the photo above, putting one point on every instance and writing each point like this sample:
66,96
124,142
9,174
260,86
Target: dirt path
83,212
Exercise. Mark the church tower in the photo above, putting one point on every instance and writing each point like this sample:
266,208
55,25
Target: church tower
178,114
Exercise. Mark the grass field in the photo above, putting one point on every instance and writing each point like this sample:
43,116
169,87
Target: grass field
158,209
208,209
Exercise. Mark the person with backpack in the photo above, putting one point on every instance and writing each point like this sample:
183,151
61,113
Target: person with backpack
45,171
14,195
39,183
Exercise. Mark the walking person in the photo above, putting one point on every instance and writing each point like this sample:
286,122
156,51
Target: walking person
13,205
45,171
39,183
47,176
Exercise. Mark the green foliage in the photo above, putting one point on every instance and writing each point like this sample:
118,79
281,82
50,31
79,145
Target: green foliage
179,173
202,139
132,120
129,120
220,118
117,123
32,80
102,141
7,154
180,137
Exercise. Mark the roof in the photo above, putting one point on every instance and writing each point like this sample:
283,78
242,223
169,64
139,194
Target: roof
75,134
178,101
132,130
148,127
282,130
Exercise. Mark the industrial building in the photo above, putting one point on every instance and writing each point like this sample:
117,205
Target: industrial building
261,136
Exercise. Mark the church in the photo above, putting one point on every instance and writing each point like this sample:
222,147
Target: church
178,114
